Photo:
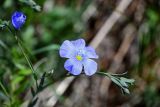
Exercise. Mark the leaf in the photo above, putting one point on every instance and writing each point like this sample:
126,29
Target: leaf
32,103
47,48
3,23
126,90
120,81
3,44
123,83
28,38
33,92
104,74
4,89
35,76
131,81
25,72
41,82
25,55
17,79
7,3
42,79
153,16
32,4
116,81
3,96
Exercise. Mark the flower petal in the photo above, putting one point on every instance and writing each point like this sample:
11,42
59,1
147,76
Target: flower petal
67,49
91,53
90,67
80,43
73,66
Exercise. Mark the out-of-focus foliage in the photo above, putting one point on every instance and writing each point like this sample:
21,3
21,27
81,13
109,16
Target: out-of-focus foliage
149,55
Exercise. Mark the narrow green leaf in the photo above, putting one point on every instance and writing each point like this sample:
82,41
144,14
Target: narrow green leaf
104,74
123,83
127,80
126,90
4,89
23,52
116,81
3,23
3,44
32,103
33,92
3,96
25,72
32,4
47,48
17,79
41,82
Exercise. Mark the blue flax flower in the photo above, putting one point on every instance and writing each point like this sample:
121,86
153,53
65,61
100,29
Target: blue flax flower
79,57
18,19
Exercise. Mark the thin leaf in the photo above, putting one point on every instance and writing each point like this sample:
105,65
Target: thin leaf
123,83
116,81
32,4
33,102
47,48
3,44
3,96
25,72
23,52
127,80
41,81
3,23
126,90
4,89
17,79
33,92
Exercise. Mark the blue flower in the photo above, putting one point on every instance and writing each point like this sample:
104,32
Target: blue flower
79,57
18,19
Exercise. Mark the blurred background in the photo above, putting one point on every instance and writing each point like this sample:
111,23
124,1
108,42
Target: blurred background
128,42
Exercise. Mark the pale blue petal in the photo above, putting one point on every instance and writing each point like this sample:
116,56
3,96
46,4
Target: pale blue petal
91,53
74,67
80,43
90,67
67,50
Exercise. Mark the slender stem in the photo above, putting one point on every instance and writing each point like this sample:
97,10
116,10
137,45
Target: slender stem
104,73
27,59
5,91
3,88
119,74
110,74
69,75
23,52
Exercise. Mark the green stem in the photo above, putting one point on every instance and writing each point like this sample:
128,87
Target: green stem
23,52
110,74
104,73
5,91
69,75
3,88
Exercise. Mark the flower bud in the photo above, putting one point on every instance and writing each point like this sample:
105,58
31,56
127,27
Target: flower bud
18,19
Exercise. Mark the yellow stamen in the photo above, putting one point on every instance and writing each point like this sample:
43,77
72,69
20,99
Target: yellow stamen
79,58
